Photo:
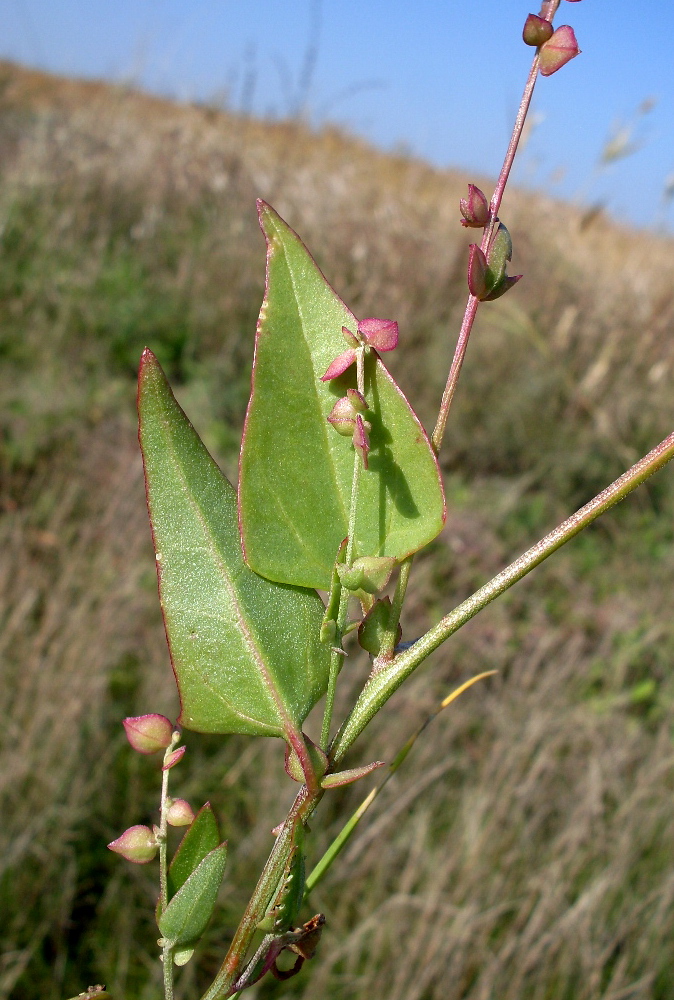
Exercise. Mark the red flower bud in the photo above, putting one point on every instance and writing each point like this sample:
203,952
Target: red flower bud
137,844
382,334
477,272
536,30
148,733
474,208
558,50
339,365
173,758
357,401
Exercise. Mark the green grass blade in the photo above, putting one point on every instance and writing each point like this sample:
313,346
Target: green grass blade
345,834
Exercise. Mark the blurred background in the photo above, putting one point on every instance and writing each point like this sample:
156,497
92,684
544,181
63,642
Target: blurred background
525,850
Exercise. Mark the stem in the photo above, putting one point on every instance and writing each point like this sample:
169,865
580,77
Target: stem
337,655
470,313
167,962
381,685
229,971
167,950
388,644
161,837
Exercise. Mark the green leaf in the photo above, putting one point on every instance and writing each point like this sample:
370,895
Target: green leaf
201,837
185,918
500,253
374,627
246,653
296,471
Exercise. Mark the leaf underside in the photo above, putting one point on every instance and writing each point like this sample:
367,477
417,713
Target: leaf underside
296,471
245,651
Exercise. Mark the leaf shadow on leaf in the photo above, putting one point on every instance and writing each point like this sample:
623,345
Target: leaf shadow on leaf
392,479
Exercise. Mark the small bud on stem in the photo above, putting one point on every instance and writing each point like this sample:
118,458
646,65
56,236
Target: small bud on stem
179,813
474,208
149,733
537,30
138,844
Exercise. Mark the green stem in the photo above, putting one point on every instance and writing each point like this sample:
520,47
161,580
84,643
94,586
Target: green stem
337,656
389,641
231,968
162,837
381,685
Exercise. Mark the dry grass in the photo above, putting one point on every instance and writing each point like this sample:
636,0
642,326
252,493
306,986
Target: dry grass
525,851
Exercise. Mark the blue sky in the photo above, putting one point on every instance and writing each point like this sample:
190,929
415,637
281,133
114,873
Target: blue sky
441,78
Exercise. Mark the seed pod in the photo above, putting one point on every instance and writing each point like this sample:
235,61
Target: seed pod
149,733
536,30
137,844
560,48
474,208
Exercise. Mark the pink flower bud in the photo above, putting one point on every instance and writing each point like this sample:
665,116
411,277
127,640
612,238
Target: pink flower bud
148,733
536,30
339,365
173,758
137,844
179,813
474,208
344,412
357,401
343,417
558,50
477,272
382,334
361,441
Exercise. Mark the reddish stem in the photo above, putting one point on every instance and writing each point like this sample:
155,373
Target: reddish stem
548,12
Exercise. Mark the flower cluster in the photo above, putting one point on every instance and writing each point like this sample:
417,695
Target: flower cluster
347,413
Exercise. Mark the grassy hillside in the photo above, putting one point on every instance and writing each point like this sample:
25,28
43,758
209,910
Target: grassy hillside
525,853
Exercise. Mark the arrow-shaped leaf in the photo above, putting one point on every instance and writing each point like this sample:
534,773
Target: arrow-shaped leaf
185,918
246,652
296,470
